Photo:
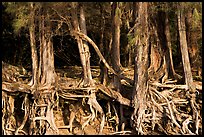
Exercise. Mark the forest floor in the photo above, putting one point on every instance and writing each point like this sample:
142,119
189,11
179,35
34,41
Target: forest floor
71,77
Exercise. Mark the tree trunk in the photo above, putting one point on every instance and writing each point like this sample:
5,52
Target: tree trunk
85,60
115,50
34,80
116,44
156,58
168,38
129,55
184,50
83,49
141,66
43,117
87,54
48,74
161,67
165,43
103,48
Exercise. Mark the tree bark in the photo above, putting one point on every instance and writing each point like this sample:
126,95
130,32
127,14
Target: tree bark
87,54
141,66
83,48
85,60
34,80
161,67
47,69
184,50
44,93
165,43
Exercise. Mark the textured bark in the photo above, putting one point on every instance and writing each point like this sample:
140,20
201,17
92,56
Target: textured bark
44,93
47,69
184,50
141,66
155,51
34,80
85,60
87,55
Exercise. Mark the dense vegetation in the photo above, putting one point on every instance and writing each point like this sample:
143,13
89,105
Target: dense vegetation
146,56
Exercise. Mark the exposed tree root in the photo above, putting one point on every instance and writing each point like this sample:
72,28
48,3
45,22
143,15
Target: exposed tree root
121,133
172,111
169,108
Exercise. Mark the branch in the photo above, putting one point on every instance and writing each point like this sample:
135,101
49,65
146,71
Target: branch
86,38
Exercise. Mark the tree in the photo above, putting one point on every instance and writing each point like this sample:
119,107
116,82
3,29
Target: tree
153,101
103,47
115,48
141,66
184,49
85,60
34,80
46,75
83,47
43,80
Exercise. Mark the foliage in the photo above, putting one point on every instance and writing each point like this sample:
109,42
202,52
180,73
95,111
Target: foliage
20,12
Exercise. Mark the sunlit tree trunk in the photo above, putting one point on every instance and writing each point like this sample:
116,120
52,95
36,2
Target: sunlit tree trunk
115,50
44,93
85,60
34,80
141,66
87,55
47,67
82,45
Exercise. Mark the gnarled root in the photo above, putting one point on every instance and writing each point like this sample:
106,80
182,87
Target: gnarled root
44,108
172,109
94,104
